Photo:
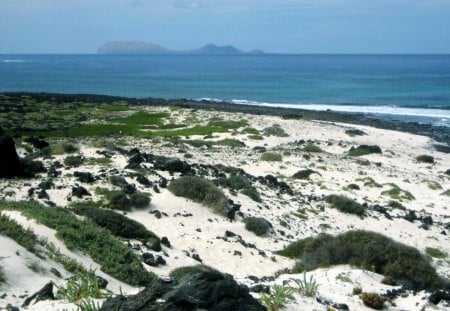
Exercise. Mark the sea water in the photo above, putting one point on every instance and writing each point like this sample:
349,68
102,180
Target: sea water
416,87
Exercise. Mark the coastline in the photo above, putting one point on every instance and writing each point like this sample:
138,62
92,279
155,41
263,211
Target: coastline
439,133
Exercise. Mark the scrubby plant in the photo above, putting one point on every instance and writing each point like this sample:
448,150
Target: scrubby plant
118,200
397,193
99,161
275,130
355,132
81,286
373,300
435,252
140,199
235,143
73,161
357,290
202,191
116,223
365,249
446,193
114,257
277,297
22,236
271,157
312,148
258,225
69,148
363,150
423,158
304,174
252,193
306,287
2,274
433,185
345,205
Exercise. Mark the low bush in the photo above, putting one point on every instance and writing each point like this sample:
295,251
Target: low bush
345,205
275,130
252,193
116,223
365,249
373,300
73,161
271,157
435,252
363,150
304,174
82,285
22,236
425,159
2,275
312,148
355,132
140,199
235,143
114,257
118,200
202,191
277,297
258,225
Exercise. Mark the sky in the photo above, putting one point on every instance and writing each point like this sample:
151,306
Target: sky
278,26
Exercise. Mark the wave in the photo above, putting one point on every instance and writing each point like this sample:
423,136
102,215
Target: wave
12,60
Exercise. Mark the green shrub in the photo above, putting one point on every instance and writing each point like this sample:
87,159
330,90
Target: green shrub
114,257
235,143
252,193
306,287
345,205
202,191
355,132
363,150
178,273
237,182
258,225
397,193
69,148
22,236
271,157
275,130
425,159
2,275
118,200
312,148
304,174
117,180
277,297
140,199
116,223
82,285
373,300
435,252
73,161
446,193
366,250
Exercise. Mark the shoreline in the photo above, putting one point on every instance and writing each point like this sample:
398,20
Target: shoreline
439,133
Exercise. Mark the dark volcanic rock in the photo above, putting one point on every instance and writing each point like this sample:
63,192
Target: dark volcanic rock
80,192
210,290
439,295
9,160
37,143
45,293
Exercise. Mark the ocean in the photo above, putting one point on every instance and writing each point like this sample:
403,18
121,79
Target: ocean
403,87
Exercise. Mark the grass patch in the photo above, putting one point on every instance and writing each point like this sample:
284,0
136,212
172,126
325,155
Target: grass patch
250,130
99,161
446,193
312,148
22,236
142,118
396,193
425,159
367,250
345,205
275,130
114,222
114,257
255,137
271,157
364,150
228,124
435,252
202,191
433,185
230,142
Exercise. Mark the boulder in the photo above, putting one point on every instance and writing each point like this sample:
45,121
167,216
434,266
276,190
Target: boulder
45,293
10,165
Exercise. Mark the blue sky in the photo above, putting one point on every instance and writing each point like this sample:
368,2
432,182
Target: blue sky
287,26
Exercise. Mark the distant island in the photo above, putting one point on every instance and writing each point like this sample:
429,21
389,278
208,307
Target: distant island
139,47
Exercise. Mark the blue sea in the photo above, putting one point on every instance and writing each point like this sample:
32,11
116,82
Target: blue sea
404,87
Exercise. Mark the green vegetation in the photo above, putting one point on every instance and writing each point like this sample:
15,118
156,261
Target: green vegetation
140,199
22,236
256,137
73,161
277,297
365,249
312,148
250,130
446,193
118,200
306,287
252,193
275,130
369,182
239,182
435,252
373,300
304,174
363,150
202,191
99,161
271,157
114,257
228,124
2,275
81,286
114,222
258,225
235,143
425,159
396,193
345,205
142,118
355,132
433,185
